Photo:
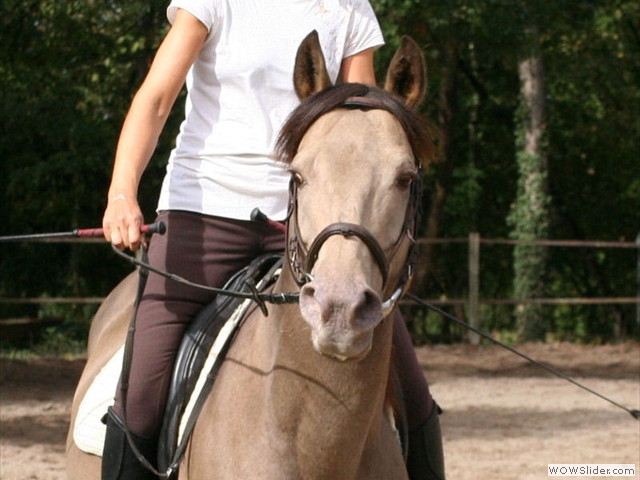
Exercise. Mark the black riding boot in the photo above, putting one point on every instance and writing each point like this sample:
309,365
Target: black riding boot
118,460
426,458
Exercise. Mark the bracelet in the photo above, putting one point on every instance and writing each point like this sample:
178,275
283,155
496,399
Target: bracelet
118,197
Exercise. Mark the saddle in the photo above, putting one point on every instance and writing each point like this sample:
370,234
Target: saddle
202,352
198,361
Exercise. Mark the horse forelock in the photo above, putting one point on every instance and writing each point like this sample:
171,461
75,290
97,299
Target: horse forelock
342,96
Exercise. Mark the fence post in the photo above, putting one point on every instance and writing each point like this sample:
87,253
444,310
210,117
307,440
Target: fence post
474,285
638,282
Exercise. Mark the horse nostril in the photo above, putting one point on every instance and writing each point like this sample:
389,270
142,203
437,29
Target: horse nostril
369,309
308,295
309,305
307,291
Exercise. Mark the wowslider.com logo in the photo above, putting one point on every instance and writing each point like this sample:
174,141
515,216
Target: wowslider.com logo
591,470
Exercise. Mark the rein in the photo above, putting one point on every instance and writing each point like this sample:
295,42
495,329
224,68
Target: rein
292,298
261,299
633,412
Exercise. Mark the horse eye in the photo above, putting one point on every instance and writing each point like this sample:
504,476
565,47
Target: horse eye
404,181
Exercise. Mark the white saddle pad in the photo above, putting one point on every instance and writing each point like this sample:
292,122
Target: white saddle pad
88,430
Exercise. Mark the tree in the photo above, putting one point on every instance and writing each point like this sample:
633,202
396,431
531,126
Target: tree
530,214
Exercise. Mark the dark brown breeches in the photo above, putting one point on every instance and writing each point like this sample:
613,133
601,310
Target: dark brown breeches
202,249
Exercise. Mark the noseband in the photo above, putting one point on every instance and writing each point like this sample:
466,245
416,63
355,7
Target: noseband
302,261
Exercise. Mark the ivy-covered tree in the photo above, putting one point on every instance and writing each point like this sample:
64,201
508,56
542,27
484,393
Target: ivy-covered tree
530,213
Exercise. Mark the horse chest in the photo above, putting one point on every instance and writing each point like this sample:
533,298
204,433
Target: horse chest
282,414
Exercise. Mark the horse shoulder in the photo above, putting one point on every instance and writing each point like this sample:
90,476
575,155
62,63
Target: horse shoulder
230,435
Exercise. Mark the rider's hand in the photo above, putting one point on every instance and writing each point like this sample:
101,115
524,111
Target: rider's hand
122,221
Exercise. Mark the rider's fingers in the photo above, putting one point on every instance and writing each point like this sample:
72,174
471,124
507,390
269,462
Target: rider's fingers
115,238
133,234
121,223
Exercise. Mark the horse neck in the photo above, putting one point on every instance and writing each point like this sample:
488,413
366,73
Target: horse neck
347,397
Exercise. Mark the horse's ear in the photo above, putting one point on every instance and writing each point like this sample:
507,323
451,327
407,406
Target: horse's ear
407,73
310,73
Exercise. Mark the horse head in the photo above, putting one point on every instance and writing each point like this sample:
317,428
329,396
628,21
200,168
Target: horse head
355,154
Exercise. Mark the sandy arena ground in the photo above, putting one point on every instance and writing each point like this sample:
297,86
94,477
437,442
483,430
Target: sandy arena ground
503,420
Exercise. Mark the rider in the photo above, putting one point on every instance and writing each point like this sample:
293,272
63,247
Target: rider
237,59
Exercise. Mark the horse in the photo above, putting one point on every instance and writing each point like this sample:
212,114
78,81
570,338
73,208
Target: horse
307,390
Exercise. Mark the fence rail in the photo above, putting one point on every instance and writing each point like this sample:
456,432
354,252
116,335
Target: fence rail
473,301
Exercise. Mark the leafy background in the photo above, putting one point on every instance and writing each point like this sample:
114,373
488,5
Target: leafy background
68,71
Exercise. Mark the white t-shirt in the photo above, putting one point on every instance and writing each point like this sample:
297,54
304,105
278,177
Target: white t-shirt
240,92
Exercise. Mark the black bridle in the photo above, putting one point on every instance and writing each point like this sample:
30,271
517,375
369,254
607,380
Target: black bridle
301,260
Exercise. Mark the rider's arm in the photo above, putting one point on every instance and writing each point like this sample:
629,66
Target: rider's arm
143,124
358,68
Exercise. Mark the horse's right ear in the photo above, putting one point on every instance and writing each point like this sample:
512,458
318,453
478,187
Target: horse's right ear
407,73
310,73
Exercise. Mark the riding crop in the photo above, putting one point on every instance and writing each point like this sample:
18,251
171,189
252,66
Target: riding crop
159,227
260,217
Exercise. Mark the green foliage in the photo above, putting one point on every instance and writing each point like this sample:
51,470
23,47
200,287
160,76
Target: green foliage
530,220
68,71
592,60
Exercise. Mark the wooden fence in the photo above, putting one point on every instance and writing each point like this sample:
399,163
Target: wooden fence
473,299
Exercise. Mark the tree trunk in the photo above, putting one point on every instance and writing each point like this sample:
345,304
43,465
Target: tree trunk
530,213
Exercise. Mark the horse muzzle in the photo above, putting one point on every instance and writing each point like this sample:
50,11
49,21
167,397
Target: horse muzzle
342,315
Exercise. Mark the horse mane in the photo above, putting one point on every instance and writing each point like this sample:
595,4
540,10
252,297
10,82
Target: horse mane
301,119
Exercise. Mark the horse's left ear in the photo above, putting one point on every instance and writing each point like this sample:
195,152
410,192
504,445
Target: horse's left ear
407,73
310,72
